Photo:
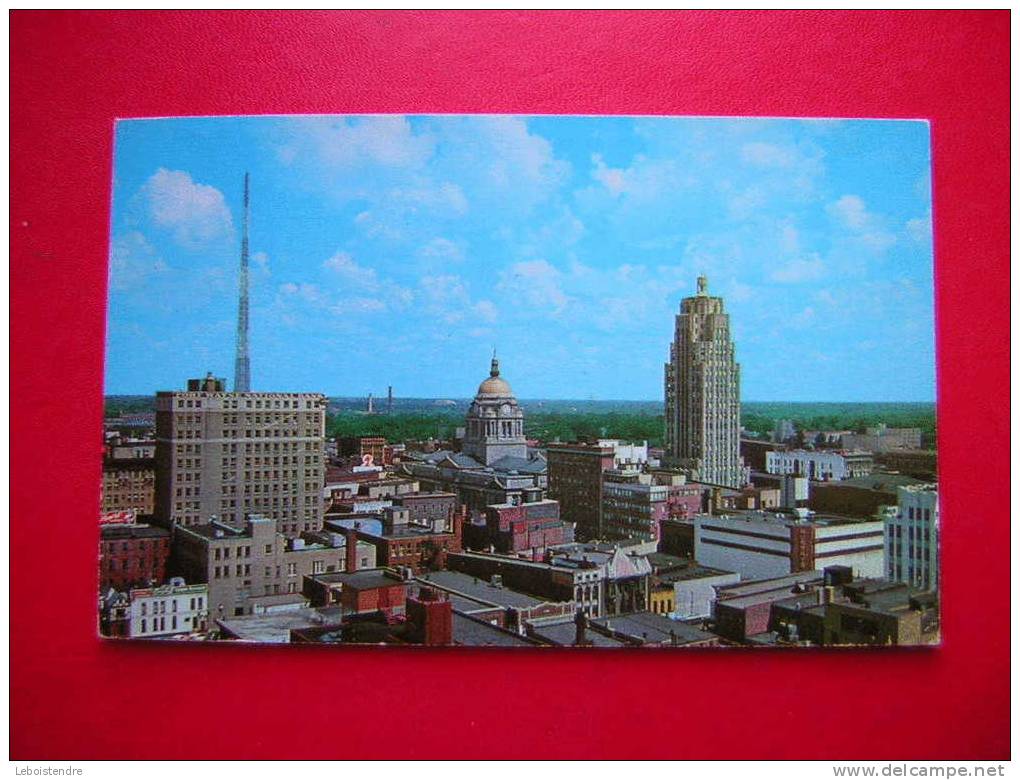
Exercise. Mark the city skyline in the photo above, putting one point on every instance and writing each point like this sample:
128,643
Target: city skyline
557,251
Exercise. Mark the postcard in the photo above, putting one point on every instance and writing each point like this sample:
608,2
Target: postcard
521,381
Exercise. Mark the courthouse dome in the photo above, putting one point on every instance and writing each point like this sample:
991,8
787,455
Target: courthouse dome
495,384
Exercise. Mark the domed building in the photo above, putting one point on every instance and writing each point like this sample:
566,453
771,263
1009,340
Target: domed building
495,422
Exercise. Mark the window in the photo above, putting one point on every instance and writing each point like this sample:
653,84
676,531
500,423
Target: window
269,549
318,567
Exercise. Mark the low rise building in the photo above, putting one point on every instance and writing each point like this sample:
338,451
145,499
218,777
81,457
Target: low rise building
691,587
494,601
400,543
168,610
559,579
132,555
367,590
522,529
820,465
760,545
858,497
254,569
129,484
881,438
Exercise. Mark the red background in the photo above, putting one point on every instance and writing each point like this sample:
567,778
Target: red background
73,696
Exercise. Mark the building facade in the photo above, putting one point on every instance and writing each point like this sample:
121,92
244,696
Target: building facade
633,507
129,484
912,537
575,480
168,610
702,391
227,455
820,465
132,556
759,545
254,569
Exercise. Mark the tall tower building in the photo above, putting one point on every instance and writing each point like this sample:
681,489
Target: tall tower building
703,392
242,363
495,422
228,455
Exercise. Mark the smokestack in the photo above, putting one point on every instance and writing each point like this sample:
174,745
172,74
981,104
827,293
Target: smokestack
389,399
351,550
242,364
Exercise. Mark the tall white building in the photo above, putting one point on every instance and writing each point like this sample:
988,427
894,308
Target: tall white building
228,455
702,385
912,537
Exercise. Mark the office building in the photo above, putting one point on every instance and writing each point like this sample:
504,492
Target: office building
225,456
702,390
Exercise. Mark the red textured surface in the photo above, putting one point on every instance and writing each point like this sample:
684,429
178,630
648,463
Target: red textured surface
75,697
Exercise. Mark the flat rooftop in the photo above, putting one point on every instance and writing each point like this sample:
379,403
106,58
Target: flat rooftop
564,632
650,627
471,632
112,531
479,589
366,579
274,627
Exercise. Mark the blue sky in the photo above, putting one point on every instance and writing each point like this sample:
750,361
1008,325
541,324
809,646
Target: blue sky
391,250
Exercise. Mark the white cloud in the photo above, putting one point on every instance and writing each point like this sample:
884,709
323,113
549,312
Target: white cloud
919,230
511,154
767,155
802,269
536,283
789,237
445,296
133,261
486,311
343,265
196,214
340,142
851,212
442,250
261,259
613,179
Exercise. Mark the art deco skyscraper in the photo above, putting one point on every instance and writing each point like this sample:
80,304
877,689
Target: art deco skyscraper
703,393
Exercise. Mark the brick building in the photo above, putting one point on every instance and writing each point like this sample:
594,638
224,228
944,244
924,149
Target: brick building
129,484
575,480
402,543
529,528
132,555
368,590
227,455
565,579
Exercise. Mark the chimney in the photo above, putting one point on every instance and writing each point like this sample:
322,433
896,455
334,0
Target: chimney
580,626
458,525
351,550
432,616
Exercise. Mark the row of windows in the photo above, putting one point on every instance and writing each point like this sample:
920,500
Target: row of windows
141,546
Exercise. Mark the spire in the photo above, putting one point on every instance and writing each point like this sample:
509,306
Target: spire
242,364
494,370
702,285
